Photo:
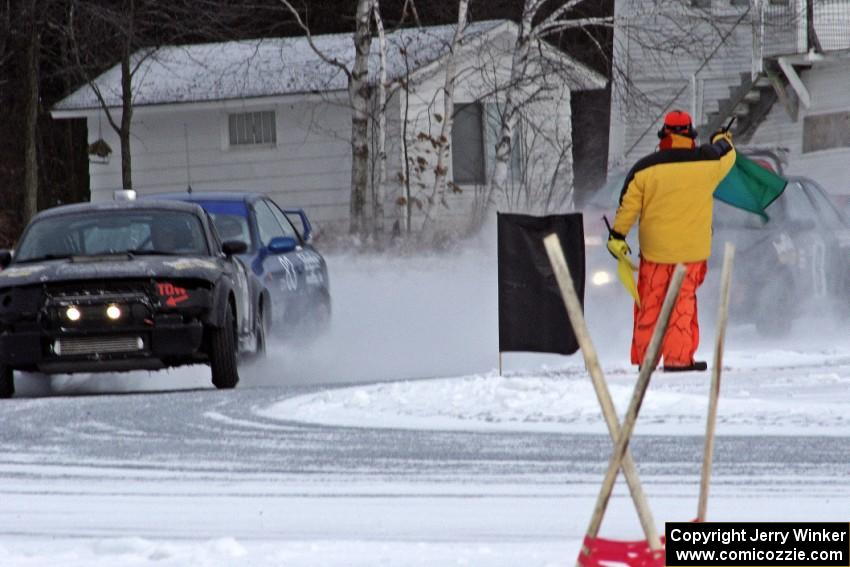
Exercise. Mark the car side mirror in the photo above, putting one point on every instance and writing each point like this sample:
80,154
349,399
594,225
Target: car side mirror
5,258
282,244
232,247
306,227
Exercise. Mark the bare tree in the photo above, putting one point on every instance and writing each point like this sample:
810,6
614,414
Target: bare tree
443,141
380,181
31,120
358,96
5,34
534,26
122,24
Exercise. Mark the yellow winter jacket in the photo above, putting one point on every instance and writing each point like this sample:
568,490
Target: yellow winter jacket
672,191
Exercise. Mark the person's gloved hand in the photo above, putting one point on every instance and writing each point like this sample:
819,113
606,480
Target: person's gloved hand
617,245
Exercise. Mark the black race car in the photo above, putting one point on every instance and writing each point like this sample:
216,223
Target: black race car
126,286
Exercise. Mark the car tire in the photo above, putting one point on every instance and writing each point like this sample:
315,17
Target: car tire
261,333
7,382
225,374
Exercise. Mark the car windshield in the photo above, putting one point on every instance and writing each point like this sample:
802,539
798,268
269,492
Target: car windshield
230,219
102,232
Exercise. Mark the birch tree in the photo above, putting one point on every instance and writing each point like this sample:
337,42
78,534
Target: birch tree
443,141
358,98
380,178
540,18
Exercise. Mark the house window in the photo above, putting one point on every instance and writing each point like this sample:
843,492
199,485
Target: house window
702,4
475,132
826,131
252,128
468,166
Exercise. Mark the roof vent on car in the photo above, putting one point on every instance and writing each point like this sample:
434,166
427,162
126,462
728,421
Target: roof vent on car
124,195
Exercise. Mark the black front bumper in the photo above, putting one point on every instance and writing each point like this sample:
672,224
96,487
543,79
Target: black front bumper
166,343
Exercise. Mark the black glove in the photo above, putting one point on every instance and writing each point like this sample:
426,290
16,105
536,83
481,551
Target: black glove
722,132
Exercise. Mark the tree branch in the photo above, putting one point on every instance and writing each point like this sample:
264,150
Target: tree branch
323,56
561,25
560,12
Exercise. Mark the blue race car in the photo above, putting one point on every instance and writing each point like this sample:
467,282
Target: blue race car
293,275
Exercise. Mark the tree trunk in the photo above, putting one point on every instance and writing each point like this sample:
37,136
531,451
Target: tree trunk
379,193
438,194
358,92
30,205
504,145
126,119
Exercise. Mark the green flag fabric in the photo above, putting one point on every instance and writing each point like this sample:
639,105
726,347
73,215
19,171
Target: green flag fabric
750,186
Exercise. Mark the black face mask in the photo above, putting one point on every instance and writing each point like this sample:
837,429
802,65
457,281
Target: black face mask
687,131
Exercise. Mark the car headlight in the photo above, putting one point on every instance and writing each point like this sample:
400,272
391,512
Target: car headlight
113,312
600,277
73,314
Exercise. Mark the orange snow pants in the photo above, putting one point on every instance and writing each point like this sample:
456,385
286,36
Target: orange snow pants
682,337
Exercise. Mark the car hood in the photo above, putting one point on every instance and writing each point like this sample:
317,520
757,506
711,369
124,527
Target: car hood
110,267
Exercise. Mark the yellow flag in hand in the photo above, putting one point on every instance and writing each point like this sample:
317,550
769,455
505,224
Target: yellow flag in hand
626,270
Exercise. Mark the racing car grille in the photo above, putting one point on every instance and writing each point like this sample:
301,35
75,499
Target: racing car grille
97,345
98,287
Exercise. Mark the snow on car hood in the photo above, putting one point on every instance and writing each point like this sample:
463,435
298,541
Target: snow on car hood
81,269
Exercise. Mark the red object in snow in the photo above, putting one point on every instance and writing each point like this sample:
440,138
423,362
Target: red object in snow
600,552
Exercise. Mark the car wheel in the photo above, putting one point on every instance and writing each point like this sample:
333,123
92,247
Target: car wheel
260,335
223,354
7,382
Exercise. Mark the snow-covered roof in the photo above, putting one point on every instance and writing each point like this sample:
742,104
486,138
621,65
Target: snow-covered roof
268,67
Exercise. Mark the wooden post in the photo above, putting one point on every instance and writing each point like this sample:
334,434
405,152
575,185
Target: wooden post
649,362
500,363
591,360
716,368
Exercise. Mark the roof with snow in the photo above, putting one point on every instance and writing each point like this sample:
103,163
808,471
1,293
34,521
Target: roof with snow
276,66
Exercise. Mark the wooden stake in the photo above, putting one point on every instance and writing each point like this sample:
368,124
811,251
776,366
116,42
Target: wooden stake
649,362
500,363
716,368
591,360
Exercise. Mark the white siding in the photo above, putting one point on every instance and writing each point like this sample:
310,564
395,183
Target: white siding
309,167
829,87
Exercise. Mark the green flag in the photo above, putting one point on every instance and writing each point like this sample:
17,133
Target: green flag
750,186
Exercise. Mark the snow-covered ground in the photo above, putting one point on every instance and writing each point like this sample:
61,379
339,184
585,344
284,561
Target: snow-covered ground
768,393
448,464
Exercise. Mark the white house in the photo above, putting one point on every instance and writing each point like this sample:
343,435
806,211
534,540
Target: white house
270,116
782,67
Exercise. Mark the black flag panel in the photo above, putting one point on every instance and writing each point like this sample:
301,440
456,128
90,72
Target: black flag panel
532,316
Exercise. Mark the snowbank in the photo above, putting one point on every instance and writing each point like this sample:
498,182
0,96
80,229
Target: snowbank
770,392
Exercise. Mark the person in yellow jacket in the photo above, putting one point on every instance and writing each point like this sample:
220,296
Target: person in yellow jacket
671,192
